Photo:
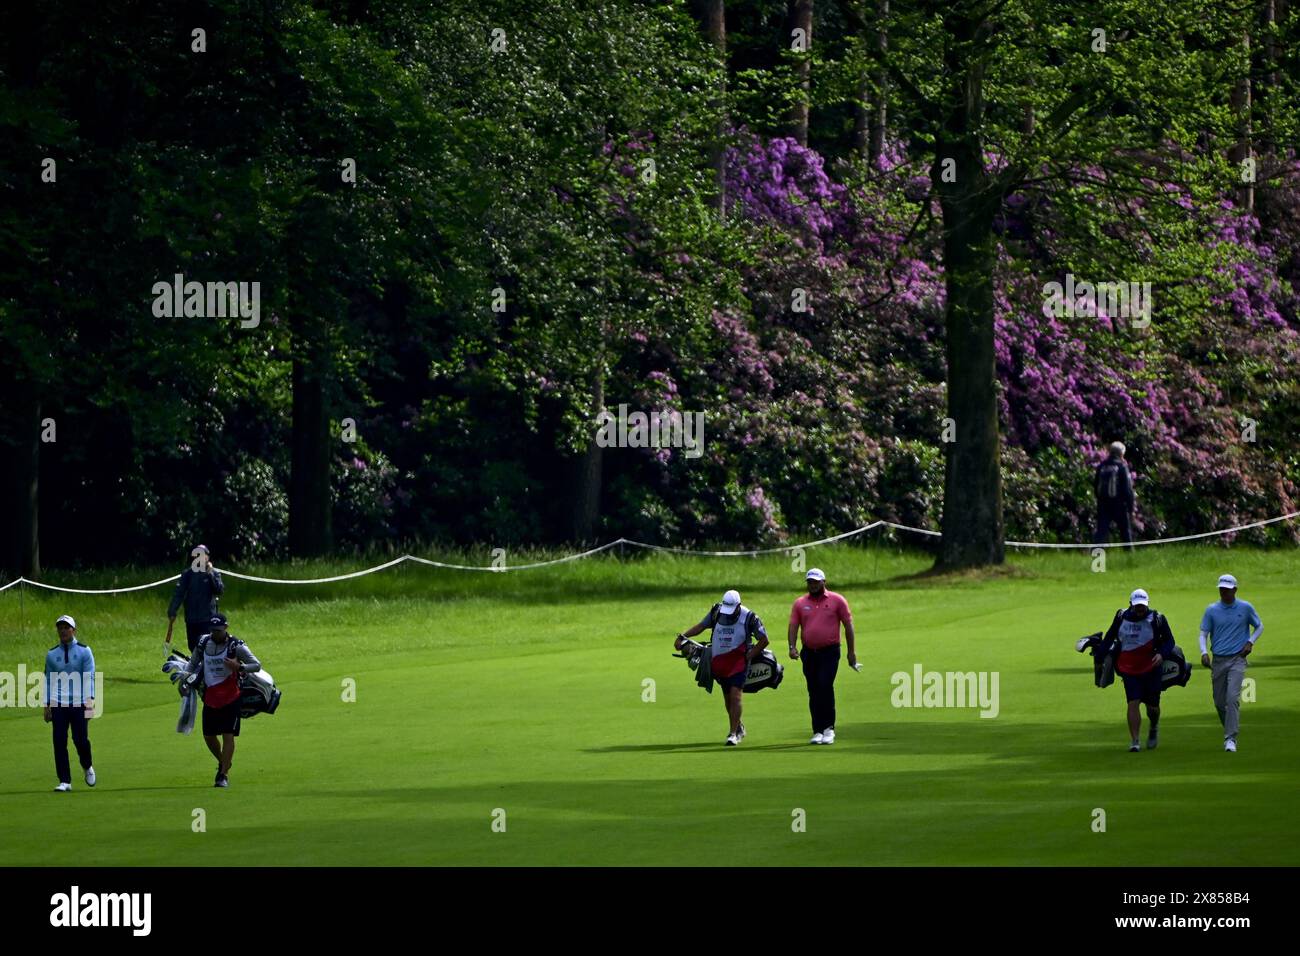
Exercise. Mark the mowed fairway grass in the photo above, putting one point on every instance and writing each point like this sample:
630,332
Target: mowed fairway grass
524,692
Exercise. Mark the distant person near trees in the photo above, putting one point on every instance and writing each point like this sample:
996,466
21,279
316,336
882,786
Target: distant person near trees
198,589
1113,485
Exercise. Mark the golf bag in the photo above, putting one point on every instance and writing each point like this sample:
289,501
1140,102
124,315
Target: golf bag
1104,654
1175,669
765,671
257,691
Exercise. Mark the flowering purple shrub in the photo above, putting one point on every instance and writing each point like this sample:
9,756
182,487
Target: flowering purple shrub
825,418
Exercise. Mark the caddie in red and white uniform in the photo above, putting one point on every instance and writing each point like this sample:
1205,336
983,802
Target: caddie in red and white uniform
733,626
220,658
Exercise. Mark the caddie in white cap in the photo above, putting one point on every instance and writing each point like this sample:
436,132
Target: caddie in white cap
1144,642
1232,626
819,614
733,626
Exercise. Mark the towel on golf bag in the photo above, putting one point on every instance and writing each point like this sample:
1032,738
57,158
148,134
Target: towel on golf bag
765,671
257,691
699,658
189,711
1104,653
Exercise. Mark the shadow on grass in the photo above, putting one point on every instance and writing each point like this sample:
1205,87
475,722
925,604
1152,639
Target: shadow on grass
688,747
103,789
932,576
1054,749
1264,659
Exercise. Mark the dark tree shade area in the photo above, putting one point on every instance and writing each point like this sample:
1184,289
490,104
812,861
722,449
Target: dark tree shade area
297,278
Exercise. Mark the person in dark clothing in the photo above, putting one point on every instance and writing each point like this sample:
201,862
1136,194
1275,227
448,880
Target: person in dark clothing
1145,640
1114,488
198,589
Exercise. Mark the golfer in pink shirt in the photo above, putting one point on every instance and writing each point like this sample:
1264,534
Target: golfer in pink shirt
819,613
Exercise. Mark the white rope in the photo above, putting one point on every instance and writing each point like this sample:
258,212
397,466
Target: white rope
337,577
742,554
785,549
54,587
520,567
1186,537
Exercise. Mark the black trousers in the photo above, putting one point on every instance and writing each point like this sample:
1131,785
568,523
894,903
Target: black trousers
194,631
819,668
1113,513
65,717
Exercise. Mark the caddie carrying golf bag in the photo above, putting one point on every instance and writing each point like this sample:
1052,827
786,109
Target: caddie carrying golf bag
764,671
257,691
1175,669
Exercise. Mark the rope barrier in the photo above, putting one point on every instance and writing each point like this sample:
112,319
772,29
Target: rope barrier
784,549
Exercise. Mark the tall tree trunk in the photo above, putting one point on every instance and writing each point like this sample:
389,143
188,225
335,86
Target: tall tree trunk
972,488
586,505
24,544
972,493
1241,150
876,148
801,18
713,17
310,508
857,22
1266,86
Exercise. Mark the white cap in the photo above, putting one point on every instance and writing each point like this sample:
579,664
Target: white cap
730,601
815,574
66,619
1138,597
1227,581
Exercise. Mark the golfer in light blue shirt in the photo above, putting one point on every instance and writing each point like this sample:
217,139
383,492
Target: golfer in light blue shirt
1228,624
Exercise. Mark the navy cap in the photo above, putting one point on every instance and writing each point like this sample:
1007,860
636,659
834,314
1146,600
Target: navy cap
218,620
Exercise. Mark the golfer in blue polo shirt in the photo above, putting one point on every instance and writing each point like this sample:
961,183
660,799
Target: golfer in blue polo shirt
70,700
1228,624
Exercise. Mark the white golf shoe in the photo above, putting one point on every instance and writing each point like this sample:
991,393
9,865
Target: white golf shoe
63,788
817,738
828,735
90,776
1230,746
